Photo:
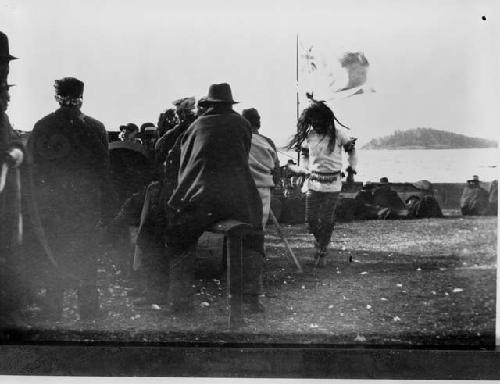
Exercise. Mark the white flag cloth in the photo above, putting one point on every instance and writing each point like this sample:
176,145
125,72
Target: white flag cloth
321,79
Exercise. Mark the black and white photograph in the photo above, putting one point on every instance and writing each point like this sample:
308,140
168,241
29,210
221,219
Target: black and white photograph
271,173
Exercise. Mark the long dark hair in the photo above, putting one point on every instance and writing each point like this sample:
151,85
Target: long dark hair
317,116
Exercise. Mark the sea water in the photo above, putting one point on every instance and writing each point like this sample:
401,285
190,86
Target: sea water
435,165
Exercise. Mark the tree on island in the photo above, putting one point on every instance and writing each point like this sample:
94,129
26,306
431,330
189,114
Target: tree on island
428,138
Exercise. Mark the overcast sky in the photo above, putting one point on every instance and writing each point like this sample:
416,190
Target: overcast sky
432,63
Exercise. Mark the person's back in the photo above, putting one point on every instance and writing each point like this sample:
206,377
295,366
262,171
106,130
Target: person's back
214,184
365,196
79,140
425,208
387,198
262,161
474,199
214,172
71,178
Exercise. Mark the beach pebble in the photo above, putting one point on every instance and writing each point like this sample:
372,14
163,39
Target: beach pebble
360,338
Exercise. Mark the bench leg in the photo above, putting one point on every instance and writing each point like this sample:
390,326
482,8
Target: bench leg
235,280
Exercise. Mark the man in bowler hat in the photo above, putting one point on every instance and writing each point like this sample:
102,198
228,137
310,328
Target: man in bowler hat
70,158
214,183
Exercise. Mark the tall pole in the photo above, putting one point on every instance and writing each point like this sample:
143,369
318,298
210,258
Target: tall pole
297,85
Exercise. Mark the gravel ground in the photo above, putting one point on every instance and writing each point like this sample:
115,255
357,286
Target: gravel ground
413,282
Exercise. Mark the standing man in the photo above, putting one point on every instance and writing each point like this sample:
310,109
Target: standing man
70,158
263,162
214,184
11,157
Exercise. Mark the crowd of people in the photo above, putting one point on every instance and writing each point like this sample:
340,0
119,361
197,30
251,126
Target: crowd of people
214,166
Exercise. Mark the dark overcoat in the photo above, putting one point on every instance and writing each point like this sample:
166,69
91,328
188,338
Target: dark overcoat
214,180
9,210
70,167
387,198
10,225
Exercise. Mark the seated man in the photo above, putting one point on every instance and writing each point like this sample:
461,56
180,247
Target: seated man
214,184
385,197
424,208
474,200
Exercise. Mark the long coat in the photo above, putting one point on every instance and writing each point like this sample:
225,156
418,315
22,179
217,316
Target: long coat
214,180
9,209
69,154
11,267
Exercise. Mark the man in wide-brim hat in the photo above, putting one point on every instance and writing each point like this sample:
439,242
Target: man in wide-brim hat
214,183
5,57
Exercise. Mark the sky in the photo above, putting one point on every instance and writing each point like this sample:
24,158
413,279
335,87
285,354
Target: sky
432,63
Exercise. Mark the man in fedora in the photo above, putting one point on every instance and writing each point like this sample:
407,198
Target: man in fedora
11,158
5,57
214,183
69,151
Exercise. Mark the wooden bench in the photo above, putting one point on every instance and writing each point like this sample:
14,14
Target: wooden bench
234,232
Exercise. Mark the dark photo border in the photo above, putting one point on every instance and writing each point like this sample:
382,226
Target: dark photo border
248,361
21,354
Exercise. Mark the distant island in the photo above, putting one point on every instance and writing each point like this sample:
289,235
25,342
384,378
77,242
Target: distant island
428,138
